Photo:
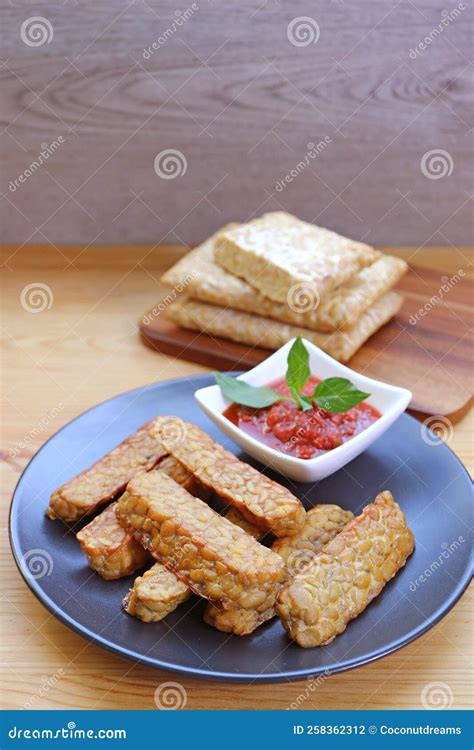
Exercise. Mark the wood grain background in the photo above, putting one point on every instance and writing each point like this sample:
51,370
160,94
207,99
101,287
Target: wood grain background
229,90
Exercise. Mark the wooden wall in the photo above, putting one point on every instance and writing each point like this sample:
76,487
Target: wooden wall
241,102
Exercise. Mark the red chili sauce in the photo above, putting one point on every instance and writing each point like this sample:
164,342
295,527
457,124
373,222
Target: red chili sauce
304,434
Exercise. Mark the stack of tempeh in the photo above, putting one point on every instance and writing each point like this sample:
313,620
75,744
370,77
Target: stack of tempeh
276,277
323,569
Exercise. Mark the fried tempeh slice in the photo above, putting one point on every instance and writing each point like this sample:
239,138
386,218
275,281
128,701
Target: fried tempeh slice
155,594
277,252
237,621
204,280
215,558
177,472
322,523
235,516
338,584
111,551
261,500
182,476
271,334
107,477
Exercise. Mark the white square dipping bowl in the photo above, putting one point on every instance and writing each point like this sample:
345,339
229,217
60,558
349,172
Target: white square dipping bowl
390,400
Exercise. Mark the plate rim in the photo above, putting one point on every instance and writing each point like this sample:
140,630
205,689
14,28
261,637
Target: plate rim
218,676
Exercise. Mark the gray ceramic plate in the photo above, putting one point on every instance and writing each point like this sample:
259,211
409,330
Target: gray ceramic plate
427,480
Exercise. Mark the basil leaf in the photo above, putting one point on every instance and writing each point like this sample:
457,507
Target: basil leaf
307,400
245,394
302,402
298,372
337,395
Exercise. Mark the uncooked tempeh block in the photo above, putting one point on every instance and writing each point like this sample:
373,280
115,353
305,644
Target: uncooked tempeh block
203,279
261,500
155,594
215,558
111,551
278,252
271,334
322,523
107,477
343,308
338,584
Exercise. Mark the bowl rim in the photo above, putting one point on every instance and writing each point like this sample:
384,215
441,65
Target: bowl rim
402,397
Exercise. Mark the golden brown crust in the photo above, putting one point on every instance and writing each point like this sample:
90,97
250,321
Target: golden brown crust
111,551
277,252
155,594
215,558
235,516
339,310
261,500
237,621
150,602
182,476
176,471
271,334
107,477
322,523
338,584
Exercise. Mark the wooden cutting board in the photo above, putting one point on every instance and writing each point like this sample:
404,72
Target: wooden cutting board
430,353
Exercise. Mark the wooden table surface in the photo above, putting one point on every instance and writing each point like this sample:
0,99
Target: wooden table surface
84,348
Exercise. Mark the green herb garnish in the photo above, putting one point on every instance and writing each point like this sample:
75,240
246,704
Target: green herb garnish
243,393
334,395
337,394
